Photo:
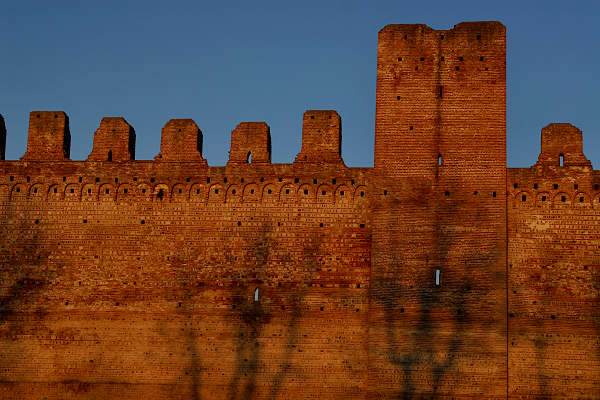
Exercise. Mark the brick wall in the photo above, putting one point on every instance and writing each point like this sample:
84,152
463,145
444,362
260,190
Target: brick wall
554,276
138,278
439,273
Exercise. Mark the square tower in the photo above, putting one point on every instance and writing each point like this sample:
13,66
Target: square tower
438,316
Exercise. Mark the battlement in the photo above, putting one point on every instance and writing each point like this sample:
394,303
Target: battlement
114,140
181,140
562,146
321,137
2,138
49,138
250,143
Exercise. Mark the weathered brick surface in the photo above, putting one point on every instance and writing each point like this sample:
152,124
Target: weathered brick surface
114,140
250,143
321,138
49,138
554,279
181,140
440,168
170,279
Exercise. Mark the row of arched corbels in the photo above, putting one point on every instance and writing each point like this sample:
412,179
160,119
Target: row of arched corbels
555,200
180,192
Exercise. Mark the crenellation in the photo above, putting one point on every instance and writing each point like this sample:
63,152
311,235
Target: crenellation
49,138
321,138
562,146
2,138
250,144
114,141
181,140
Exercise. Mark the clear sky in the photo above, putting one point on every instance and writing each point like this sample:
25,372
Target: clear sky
223,62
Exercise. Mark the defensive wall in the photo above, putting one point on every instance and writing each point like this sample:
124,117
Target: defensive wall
438,273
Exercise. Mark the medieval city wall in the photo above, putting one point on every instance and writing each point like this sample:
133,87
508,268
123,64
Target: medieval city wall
438,273
128,279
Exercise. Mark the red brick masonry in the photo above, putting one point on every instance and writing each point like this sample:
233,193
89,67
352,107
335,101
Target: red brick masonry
437,274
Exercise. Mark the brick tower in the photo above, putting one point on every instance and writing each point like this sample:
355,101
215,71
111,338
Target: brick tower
438,287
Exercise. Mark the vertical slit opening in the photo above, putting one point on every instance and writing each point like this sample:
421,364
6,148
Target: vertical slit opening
437,277
256,294
561,160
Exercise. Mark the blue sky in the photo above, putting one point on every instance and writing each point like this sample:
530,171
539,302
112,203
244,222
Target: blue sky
224,62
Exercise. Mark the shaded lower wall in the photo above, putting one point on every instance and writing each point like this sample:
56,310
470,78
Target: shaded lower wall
150,294
554,283
428,341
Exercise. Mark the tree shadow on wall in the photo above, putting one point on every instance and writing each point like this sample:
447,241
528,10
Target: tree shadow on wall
459,300
253,316
25,274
